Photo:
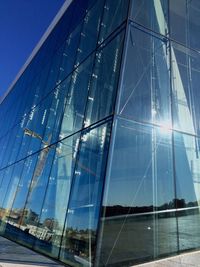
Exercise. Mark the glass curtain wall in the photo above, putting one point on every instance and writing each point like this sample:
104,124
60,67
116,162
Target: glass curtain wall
99,158
151,198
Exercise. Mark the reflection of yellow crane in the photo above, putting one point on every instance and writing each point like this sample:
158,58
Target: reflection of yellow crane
33,134
42,157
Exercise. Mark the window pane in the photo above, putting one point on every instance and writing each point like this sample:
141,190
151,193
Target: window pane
146,89
186,93
128,240
104,81
69,53
14,176
189,226
76,99
78,246
15,221
140,181
51,222
90,31
185,22
152,14
187,163
114,13
35,196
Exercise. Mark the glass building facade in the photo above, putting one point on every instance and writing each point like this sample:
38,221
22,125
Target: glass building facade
100,136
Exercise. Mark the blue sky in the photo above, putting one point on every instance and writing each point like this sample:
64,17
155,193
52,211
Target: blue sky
22,24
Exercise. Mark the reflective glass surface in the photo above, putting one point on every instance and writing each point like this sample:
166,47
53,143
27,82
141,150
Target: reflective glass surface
146,89
79,240
104,81
52,217
140,167
184,22
152,14
185,89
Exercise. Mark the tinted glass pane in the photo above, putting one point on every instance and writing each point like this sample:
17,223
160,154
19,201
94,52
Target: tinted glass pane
69,53
188,227
104,81
185,22
186,94
187,164
146,88
76,99
114,13
152,14
51,222
36,190
79,241
128,240
14,176
90,31
5,182
15,221
140,181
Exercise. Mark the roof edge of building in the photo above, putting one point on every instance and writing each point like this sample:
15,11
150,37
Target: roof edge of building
38,46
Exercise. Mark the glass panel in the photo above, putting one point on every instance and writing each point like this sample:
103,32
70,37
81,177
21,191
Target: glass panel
189,226
185,22
104,81
114,13
69,53
10,146
186,93
4,144
79,241
90,31
187,164
35,196
152,14
14,176
140,181
51,222
52,77
54,113
19,196
5,182
145,92
76,99
128,240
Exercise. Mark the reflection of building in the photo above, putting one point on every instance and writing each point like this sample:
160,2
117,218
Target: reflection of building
102,145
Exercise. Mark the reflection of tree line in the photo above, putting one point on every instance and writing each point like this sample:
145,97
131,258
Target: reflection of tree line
117,210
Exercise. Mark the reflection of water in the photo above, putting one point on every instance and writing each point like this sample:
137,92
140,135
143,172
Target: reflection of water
148,237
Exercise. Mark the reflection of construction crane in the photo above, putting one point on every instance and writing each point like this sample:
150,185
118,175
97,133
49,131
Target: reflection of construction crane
42,157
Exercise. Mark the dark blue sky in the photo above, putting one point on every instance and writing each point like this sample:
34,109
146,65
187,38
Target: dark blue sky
22,24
